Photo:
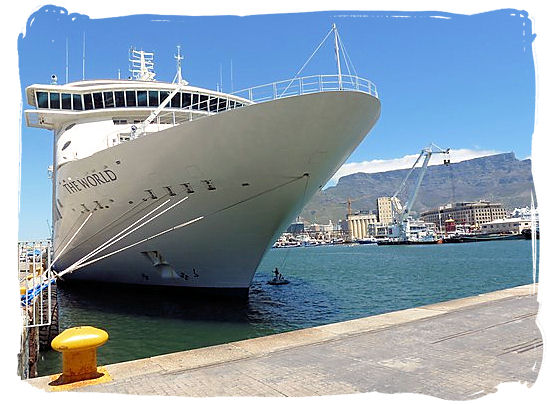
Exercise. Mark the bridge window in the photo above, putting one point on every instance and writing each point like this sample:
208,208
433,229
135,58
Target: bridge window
98,100
213,104
194,101
186,100
119,99
176,101
42,99
109,102
203,102
88,102
54,100
130,98
66,101
153,98
164,95
142,98
77,102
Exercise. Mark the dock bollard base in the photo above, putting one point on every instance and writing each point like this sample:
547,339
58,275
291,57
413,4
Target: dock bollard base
60,383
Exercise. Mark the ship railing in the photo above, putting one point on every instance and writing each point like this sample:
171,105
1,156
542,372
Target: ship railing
34,258
169,117
307,85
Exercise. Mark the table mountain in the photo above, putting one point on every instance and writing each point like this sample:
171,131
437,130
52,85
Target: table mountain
497,178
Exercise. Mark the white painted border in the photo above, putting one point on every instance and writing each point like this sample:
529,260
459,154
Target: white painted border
14,22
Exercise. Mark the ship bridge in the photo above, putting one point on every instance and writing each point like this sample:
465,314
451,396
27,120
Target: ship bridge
124,101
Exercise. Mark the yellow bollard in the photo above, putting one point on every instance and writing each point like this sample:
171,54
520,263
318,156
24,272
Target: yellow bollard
79,348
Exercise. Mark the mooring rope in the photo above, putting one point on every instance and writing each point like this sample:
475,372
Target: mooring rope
80,263
114,222
109,243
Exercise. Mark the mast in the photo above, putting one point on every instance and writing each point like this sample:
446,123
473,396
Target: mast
221,78
141,65
336,39
178,58
231,75
66,60
83,53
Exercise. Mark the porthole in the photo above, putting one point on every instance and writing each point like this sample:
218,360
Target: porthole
67,144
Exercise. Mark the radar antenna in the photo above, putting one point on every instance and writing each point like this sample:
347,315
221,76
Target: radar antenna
178,79
141,65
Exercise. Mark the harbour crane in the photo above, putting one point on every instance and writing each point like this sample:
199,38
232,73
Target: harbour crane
400,230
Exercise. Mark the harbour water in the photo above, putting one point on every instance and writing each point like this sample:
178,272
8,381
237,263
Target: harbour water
328,284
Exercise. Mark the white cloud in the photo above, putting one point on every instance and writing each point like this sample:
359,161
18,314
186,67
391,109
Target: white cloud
377,166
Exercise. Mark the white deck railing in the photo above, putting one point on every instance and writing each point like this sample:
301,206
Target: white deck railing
307,85
34,282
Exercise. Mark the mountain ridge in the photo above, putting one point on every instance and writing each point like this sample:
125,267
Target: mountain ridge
499,178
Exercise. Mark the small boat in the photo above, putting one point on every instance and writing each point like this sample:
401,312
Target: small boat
528,234
484,237
371,240
408,242
278,281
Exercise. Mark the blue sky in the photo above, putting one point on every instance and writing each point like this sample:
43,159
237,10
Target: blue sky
465,82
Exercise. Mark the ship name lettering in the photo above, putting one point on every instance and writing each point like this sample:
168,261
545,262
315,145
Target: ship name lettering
92,180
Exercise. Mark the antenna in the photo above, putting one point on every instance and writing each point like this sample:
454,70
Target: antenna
83,53
141,65
178,58
221,79
66,60
178,79
231,75
336,40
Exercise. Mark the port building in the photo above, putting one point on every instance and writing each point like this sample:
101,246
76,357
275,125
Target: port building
466,213
365,224
385,214
359,225
510,225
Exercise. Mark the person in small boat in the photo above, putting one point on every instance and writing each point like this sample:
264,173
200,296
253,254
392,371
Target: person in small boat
277,273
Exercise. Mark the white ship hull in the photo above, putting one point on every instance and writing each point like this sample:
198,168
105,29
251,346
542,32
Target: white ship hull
255,157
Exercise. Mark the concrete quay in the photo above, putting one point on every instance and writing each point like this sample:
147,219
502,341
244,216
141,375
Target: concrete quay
459,349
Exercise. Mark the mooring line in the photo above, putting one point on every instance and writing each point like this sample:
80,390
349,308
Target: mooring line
69,242
97,250
111,224
81,263
110,242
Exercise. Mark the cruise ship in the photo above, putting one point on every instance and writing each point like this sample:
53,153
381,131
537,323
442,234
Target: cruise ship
166,184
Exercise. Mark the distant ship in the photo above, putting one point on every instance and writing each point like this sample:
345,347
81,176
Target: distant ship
167,184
